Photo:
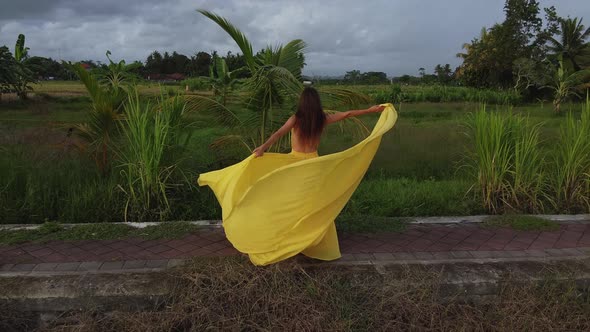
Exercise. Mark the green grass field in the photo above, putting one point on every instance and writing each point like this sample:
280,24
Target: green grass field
416,171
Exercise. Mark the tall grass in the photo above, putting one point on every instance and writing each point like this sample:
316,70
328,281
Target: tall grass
390,197
149,134
507,162
571,178
37,186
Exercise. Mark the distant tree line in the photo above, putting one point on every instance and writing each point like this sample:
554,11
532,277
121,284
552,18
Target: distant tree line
532,55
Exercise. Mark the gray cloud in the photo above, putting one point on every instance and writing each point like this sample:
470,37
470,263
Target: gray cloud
397,37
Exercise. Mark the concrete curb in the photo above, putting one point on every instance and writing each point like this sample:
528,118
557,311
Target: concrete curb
578,218
352,260
52,294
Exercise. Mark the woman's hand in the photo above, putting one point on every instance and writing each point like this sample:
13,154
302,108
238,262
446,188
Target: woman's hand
376,109
259,151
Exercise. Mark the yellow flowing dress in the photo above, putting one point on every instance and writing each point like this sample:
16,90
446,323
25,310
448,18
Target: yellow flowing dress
279,205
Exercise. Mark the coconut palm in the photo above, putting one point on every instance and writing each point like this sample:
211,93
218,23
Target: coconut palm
108,90
572,42
97,133
271,91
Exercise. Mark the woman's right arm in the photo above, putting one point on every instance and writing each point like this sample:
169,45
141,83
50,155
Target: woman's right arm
331,118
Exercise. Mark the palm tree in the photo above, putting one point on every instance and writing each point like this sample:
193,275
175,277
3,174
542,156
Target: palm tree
270,92
98,131
572,42
7,70
469,47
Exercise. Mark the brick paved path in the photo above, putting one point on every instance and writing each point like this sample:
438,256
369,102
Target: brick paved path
421,242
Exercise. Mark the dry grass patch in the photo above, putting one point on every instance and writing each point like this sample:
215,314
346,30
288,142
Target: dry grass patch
231,294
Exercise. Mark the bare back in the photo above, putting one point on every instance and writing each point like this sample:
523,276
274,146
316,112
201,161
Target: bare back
298,146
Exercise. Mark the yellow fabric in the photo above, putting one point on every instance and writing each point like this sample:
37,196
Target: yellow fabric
279,205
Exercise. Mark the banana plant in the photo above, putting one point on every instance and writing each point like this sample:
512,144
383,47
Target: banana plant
223,81
24,77
567,82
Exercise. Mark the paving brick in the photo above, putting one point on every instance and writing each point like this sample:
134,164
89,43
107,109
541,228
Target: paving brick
215,246
418,242
227,252
158,248
491,247
90,246
120,244
465,247
450,241
102,250
130,250
440,247
14,252
515,245
186,247
419,245
200,252
172,253
42,252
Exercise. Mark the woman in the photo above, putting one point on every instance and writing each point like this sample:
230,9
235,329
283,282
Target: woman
280,205
308,124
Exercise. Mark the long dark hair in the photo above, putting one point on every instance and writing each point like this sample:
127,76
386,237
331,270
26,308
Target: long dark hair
310,117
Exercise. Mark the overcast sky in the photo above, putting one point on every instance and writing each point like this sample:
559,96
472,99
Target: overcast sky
394,36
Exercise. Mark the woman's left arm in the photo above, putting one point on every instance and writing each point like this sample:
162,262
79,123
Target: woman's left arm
259,151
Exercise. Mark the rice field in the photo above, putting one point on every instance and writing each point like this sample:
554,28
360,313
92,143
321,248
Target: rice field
422,167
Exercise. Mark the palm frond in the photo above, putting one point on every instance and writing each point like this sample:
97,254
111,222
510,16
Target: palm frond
209,106
239,37
271,86
338,97
233,140
291,57
90,82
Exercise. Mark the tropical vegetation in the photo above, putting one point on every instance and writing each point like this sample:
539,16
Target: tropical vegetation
119,147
